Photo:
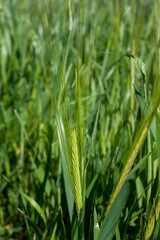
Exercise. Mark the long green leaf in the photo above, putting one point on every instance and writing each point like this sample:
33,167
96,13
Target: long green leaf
111,220
35,205
65,163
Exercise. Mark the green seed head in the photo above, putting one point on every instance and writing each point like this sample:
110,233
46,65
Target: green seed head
76,172
150,228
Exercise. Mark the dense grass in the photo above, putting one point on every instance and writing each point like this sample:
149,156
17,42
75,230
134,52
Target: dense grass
79,119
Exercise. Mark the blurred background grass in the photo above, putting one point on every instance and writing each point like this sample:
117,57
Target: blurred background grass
29,154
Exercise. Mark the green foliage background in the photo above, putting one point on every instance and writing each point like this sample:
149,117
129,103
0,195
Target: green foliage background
41,54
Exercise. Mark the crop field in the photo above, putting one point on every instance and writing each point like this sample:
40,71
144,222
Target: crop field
79,119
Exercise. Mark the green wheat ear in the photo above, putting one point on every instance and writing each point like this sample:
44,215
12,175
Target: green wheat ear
150,228
76,172
152,220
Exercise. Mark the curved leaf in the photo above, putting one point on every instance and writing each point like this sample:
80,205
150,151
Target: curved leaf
35,205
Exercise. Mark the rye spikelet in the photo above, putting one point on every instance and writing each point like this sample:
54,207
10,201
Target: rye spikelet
150,228
76,172
151,223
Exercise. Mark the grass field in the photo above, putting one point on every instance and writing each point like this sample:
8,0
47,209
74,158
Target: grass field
79,119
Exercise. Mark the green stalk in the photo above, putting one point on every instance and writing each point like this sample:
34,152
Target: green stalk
132,82
149,162
149,168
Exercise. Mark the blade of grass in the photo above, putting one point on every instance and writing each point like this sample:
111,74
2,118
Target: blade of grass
111,220
31,201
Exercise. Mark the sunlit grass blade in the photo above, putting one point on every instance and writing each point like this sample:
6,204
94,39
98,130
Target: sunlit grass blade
35,205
